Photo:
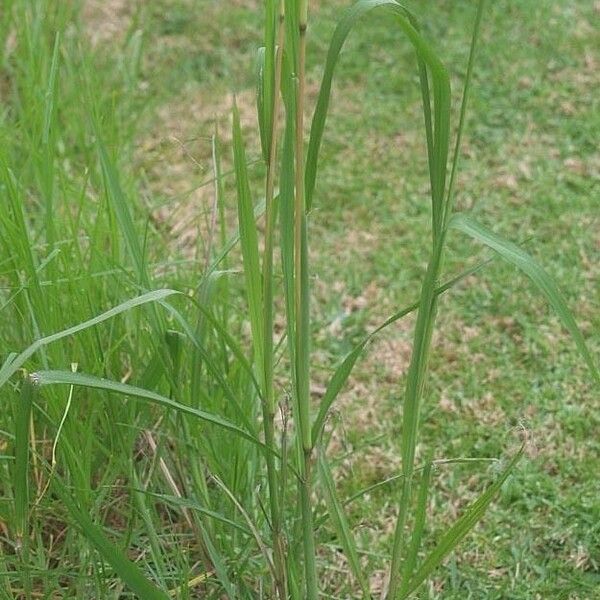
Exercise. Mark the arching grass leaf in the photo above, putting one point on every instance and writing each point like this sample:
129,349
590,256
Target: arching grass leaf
89,381
515,255
14,362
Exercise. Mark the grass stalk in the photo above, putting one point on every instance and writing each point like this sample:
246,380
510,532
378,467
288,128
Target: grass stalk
302,325
268,403
21,478
411,409
442,203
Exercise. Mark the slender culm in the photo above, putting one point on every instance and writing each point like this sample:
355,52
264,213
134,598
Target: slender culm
302,326
269,405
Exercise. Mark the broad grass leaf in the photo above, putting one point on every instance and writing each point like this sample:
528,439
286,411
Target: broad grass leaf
14,362
515,255
108,385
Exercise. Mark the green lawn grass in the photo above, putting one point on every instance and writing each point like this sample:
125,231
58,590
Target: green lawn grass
148,84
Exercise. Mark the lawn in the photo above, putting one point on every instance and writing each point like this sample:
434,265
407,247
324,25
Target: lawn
108,116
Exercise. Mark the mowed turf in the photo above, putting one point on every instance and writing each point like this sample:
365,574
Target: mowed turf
151,83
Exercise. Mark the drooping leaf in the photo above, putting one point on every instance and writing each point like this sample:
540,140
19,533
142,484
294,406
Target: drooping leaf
13,363
441,95
515,255
90,381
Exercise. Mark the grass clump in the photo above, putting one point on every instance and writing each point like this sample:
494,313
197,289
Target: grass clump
251,445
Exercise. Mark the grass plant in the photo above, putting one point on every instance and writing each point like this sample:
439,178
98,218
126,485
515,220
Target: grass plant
214,479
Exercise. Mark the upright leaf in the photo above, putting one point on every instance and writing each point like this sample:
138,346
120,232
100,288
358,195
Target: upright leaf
260,102
410,559
120,204
248,239
21,476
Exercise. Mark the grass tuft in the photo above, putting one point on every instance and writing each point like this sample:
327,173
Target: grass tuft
198,446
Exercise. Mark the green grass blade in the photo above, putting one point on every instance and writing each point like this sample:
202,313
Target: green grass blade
21,476
335,385
302,333
340,523
399,477
195,506
343,371
90,381
460,529
526,263
48,140
21,486
415,383
209,362
463,109
286,208
218,562
268,73
50,96
259,210
13,363
230,342
248,240
128,571
260,102
441,93
291,33
120,205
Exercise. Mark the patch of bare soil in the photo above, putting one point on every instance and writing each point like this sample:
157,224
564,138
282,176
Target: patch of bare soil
177,159
107,20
